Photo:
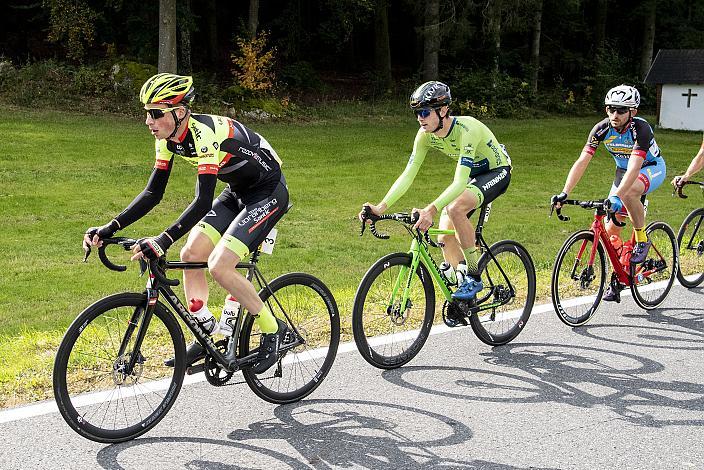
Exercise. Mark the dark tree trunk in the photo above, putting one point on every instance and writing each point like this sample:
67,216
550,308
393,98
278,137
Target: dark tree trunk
211,20
535,46
494,26
184,30
648,37
600,25
431,36
382,49
167,36
253,21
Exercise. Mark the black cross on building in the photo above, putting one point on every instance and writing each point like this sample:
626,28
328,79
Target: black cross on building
689,96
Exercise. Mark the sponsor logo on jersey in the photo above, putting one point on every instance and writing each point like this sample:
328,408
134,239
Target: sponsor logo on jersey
195,130
215,145
211,214
203,149
255,156
466,161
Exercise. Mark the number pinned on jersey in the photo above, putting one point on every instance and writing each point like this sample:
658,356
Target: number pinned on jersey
269,241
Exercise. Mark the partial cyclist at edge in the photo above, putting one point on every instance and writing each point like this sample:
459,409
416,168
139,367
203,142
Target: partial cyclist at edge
482,173
222,231
694,167
640,168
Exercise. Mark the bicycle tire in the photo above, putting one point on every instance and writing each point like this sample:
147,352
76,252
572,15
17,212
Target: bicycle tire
569,294
88,357
310,310
370,303
493,329
663,250
691,256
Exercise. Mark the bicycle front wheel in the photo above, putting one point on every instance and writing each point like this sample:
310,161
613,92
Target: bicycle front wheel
387,333
577,283
652,280
510,277
96,395
308,351
690,240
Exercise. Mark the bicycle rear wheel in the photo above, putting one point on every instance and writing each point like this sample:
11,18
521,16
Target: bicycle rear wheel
659,267
578,286
95,395
690,240
387,333
309,309
510,276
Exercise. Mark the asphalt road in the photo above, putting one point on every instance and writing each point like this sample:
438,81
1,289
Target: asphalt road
625,391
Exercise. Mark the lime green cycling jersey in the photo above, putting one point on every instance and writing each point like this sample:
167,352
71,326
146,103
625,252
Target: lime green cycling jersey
469,142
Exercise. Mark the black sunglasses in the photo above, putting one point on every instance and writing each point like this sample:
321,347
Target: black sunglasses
158,113
617,109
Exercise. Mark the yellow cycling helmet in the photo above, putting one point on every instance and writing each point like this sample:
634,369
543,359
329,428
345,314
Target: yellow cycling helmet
167,88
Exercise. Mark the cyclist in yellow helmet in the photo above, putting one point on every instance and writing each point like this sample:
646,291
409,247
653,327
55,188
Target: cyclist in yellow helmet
223,231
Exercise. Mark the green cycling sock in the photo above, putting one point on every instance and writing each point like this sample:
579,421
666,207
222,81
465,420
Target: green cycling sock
266,321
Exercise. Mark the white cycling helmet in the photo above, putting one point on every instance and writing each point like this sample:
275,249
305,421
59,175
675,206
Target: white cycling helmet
623,95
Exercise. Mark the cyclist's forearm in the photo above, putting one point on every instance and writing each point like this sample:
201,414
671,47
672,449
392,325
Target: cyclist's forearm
696,164
147,199
576,172
400,186
198,208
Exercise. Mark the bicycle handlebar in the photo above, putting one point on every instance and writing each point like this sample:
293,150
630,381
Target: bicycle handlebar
594,204
403,217
155,265
680,188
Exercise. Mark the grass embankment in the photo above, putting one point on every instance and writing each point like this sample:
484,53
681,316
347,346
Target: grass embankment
63,172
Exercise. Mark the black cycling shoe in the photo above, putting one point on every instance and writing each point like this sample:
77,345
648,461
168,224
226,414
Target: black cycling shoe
269,348
194,353
613,294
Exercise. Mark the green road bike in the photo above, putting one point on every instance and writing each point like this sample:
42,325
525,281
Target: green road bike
394,307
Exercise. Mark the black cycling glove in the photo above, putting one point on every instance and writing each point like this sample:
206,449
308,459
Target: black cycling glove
105,231
558,198
155,247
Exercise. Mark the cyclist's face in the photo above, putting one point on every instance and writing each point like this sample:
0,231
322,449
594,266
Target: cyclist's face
429,120
619,116
160,120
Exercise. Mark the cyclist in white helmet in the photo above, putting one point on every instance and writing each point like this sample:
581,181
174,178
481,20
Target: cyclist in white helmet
640,168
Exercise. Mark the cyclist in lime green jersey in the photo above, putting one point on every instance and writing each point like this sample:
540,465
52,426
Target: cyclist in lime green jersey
482,173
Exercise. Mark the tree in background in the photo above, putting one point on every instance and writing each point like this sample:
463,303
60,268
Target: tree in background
431,39
72,23
254,64
167,37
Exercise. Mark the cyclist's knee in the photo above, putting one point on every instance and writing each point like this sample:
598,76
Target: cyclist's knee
196,251
457,210
222,262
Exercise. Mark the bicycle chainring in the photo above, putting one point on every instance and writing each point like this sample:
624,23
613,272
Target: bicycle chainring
453,315
215,374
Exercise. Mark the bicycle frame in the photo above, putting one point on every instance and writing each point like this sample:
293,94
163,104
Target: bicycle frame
419,253
599,230
156,286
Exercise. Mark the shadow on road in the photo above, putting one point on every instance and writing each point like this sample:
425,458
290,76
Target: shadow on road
576,375
318,434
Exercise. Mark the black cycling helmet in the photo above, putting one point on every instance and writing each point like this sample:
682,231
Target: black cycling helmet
431,94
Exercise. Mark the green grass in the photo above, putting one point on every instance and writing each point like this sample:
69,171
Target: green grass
64,172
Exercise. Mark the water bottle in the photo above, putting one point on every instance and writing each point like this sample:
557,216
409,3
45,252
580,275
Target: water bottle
617,243
626,252
448,272
228,319
203,316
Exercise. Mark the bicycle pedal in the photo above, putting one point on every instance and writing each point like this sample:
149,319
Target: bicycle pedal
192,370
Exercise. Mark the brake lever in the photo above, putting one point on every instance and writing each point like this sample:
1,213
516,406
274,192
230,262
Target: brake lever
86,250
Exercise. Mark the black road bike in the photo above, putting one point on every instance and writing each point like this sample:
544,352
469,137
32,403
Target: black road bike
690,239
110,381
